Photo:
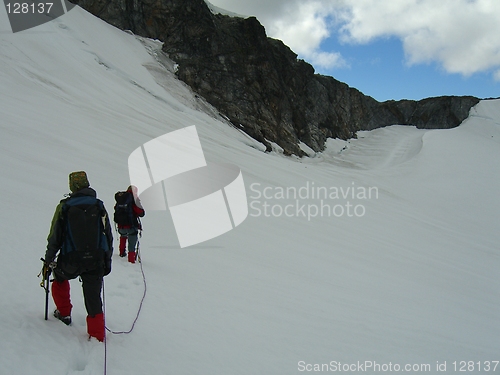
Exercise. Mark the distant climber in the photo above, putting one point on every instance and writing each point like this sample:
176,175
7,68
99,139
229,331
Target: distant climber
128,210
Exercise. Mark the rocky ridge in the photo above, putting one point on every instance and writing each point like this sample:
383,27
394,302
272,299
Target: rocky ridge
259,84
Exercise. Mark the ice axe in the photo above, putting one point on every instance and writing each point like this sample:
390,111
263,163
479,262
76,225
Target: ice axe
45,272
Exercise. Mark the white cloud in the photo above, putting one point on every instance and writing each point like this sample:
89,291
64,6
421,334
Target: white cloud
327,60
303,28
459,35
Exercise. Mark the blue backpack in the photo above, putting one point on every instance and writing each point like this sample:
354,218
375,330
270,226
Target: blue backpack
84,241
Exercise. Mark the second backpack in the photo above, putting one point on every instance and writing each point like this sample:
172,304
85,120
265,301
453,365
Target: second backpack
123,214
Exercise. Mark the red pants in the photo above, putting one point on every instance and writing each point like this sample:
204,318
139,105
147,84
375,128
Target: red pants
60,294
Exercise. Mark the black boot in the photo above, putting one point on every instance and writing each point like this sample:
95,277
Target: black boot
65,319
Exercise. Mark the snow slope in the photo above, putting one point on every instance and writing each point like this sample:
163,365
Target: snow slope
217,10
382,249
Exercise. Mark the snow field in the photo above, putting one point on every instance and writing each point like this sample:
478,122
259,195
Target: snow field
413,280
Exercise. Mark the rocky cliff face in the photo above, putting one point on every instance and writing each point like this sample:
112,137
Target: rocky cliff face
259,84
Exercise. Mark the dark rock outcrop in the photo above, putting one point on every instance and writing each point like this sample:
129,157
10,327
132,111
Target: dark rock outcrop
259,84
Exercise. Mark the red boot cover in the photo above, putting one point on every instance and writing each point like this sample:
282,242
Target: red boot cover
123,242
95,326
131,256
60,294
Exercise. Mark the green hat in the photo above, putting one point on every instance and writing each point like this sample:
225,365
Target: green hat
78,181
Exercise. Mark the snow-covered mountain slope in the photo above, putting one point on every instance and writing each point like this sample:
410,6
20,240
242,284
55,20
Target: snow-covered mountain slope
383,249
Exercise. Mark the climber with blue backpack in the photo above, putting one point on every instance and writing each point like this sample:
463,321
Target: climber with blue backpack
127,213
81,238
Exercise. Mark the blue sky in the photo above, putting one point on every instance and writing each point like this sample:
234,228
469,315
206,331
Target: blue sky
402,49
379,69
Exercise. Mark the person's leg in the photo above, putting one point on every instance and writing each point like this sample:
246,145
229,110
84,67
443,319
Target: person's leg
92,286
61,297
123,242
132,242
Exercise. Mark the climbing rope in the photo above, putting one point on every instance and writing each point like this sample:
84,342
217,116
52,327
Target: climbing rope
136,317
142,299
